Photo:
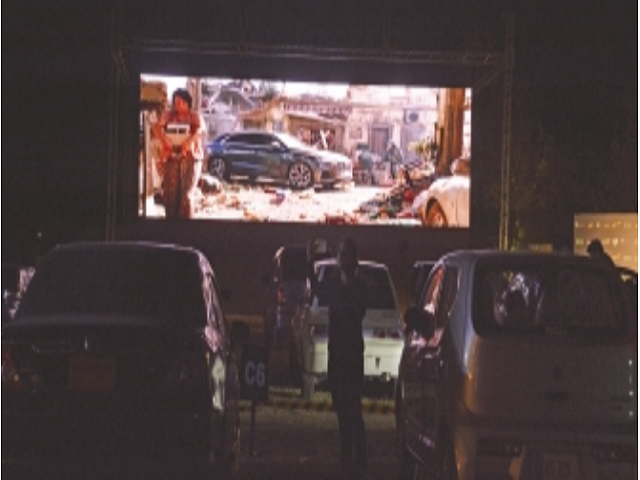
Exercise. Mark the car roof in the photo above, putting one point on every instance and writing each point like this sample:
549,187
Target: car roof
295,248
627,271
291,247
130,246
141,248
473,256
424,263
247,131
334,262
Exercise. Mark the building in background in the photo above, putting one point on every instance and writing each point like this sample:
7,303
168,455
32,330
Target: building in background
618,233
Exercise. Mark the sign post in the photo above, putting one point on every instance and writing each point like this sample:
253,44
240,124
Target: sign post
254,384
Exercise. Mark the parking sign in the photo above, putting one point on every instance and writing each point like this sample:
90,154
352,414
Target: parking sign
255,374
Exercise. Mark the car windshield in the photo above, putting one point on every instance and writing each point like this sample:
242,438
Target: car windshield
379,289
291,142
546,297
157,285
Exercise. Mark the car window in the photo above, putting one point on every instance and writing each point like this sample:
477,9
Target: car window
216,312
291,141
538,298
246,138
432,291
224,138
447,296
257,139
380,293
419,275
154,285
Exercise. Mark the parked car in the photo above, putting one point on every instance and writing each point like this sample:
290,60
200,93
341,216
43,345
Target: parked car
122,349
382,328
286,286
446,202
519,365
276,157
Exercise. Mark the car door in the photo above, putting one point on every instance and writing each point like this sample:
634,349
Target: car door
240,152
416,364
439,297
273,158
225,387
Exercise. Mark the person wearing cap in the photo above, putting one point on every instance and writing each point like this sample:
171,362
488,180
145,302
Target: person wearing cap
183,156
393,156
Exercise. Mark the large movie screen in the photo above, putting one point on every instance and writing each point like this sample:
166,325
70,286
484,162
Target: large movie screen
259,150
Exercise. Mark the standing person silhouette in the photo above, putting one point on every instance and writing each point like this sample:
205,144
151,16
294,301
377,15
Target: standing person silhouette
595,249
345,293
393,156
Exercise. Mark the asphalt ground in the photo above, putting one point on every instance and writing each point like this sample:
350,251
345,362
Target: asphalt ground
287,439
301,442
295,439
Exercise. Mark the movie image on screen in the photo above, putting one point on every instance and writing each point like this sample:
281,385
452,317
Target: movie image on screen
286,151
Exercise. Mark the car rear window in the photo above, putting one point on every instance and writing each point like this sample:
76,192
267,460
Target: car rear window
379,289
541,298
155,284
293,265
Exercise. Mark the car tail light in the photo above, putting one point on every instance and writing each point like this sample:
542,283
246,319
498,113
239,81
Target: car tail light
282,296
383,333
496,447
10,377
613,453
189,370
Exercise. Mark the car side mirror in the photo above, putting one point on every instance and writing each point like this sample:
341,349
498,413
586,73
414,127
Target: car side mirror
419,321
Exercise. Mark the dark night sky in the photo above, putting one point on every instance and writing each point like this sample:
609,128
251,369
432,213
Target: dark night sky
576,58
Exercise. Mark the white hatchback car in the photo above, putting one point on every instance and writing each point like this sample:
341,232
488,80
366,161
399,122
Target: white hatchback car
519,366
446,202
382,328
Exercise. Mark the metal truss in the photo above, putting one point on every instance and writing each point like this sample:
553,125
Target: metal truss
505,173
383,55
496,63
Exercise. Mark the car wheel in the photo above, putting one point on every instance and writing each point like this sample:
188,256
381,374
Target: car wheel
219,168
436,216
300,176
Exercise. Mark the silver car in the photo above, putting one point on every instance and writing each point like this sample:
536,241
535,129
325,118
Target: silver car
519,366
